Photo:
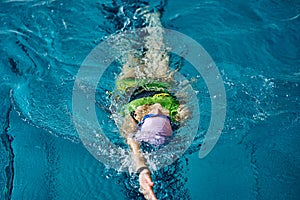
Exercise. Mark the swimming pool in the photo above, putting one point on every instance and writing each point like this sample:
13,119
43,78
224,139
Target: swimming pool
256,48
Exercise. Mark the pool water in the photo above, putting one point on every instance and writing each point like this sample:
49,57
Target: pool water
255,45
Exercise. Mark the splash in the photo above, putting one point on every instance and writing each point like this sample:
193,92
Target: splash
121,45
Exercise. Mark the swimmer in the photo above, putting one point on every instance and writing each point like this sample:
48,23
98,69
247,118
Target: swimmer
153,112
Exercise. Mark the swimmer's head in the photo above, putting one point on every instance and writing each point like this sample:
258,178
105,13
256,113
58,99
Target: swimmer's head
155,129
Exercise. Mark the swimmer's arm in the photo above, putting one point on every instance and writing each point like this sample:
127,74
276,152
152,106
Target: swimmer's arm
127,130
146,184
128,127
136,155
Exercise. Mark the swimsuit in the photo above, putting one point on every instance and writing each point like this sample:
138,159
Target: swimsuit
148,92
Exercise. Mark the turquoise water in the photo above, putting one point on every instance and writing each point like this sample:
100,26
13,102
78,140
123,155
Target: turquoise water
255,45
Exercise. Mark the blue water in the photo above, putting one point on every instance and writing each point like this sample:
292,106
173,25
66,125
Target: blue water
255,45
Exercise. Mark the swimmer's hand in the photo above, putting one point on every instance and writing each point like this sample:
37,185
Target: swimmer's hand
183,112
146,185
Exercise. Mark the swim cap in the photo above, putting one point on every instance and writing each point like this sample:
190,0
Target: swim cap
155,129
